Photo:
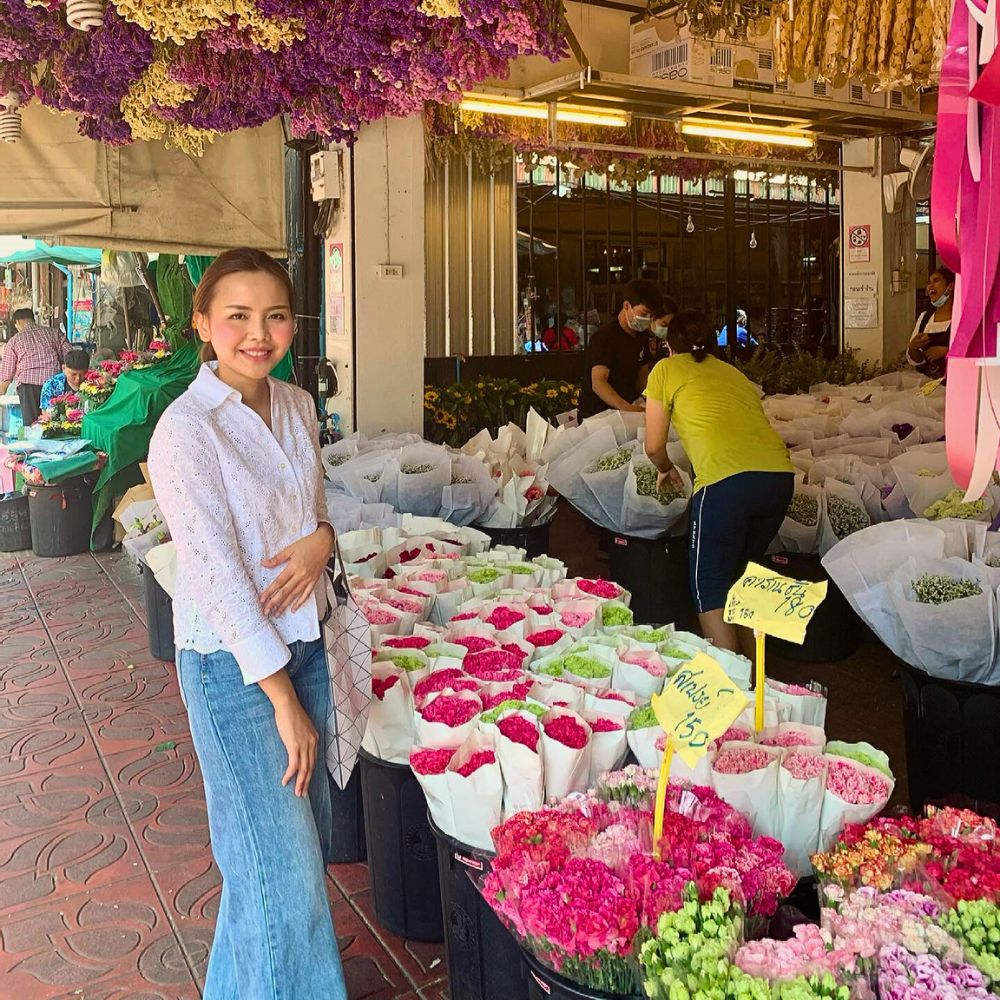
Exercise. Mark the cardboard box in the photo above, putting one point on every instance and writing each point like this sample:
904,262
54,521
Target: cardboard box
753,66
137,494
659,50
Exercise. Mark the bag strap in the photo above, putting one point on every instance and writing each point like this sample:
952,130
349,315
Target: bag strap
336,573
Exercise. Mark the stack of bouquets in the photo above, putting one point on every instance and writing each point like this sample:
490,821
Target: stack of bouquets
928,591
578,886
413,477
916,900
521,477
63,417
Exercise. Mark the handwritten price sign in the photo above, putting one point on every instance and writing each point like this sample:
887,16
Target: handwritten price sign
773,604
698,705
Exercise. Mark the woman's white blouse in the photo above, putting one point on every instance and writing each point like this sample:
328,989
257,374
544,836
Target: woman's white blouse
233,494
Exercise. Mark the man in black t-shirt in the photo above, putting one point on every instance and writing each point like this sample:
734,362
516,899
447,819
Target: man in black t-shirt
618,352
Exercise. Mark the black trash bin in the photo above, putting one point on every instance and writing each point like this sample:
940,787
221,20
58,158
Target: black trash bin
484,961
656,573
402,854
544,984
534,540
159,617
347,841
15,523
61,517
835,630
952,735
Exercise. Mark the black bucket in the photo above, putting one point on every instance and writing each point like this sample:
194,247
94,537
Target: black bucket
952,739
347,839
484,961
534,540
402,856
61,517
15,523
544,984
656,573
835,631
159,617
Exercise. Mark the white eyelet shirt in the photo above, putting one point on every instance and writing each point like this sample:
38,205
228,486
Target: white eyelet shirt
234,493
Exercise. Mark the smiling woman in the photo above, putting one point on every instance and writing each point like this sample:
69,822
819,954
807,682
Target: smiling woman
236,468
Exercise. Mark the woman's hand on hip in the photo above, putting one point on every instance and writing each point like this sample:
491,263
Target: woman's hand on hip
301,741
304,563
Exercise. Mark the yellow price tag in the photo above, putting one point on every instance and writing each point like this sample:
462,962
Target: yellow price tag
697,706
773,604
929,388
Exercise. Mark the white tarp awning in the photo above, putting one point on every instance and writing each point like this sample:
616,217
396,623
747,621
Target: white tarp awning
57,185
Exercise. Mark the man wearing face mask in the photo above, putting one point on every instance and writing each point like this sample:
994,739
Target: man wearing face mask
618,352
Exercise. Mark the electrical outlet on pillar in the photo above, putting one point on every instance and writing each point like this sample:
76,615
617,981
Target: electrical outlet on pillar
391,272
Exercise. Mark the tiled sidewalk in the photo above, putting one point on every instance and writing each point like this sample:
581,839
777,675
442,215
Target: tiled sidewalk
107,886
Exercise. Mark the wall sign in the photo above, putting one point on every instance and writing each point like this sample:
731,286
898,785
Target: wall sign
859,244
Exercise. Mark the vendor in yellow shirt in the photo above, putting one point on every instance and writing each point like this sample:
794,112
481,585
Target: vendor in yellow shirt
743,475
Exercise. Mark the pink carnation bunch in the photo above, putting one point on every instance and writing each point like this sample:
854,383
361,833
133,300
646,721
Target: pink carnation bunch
518,729
546,637
474,643
380,685
481,758
437,681
734,733
857,787
492,662
606,724
407,642
804,765
576,619
604,589
566,730
431,761
379,616
451,710
504,617
741,760
792,738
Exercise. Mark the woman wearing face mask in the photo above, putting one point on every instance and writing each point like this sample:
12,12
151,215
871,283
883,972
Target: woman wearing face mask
743,475
617,352
928,348
236,468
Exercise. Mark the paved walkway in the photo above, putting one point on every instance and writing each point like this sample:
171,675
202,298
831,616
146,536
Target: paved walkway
108,890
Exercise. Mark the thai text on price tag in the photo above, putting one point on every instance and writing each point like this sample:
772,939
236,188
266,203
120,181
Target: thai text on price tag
774,604
698,705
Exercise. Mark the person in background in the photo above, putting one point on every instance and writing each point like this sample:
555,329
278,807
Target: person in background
618,351
33,355
743,475
657,344
931,337
743,338
235,464
74,368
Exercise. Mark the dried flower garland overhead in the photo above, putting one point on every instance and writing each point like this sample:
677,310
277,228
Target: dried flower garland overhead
884,43
490,139
185,70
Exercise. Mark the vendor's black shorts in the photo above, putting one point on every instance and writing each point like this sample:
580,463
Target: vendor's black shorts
733,522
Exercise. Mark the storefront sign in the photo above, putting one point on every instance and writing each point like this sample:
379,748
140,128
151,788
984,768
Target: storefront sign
774,604
698,705
859,244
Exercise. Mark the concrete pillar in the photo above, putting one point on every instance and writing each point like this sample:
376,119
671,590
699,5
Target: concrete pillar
884,306
374,316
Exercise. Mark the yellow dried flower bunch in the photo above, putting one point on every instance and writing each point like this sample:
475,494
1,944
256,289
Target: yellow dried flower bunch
157,87
883,43
440,8
179,21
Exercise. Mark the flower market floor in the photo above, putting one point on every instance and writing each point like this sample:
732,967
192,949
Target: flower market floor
107,886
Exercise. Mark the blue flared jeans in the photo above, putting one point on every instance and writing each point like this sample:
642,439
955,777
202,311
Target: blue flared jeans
274,938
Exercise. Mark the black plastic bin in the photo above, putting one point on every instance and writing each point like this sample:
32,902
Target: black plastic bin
544,984
484,960
835,630
347,840
61,517
952,735
656,573
534,540
402,855
159,617
15,523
